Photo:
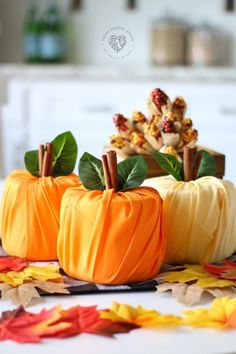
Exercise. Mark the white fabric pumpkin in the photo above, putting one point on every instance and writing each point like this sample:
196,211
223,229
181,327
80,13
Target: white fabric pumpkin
199,218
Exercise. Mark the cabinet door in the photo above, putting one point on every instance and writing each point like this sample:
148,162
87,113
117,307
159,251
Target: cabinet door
14,126
38,111
84,108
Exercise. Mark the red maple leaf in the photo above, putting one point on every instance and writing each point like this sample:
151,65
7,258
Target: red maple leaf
26,327
224,271
88,320
12,263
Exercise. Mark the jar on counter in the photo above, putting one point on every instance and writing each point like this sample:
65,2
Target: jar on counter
168,41
206,46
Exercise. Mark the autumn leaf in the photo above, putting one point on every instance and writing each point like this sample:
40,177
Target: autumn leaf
25,327
221,314
192,294
88,320
31,273
14,278
196,273
12,263
51,287
139,316
24,293
226,271
43,273
22,326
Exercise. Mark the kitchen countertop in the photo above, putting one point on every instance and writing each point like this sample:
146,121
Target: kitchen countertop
118,73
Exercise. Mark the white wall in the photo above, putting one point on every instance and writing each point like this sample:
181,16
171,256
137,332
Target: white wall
87,27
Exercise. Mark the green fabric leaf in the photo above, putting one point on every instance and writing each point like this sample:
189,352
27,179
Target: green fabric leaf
32,162
207,165
91,172
169,164
131,172
64,154
63,157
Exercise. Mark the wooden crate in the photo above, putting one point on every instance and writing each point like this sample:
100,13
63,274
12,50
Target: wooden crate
154,170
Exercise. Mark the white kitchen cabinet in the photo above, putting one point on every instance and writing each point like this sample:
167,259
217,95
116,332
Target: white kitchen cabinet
37,111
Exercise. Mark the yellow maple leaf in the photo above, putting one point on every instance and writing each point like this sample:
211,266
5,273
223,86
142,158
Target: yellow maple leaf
139,316
198,274
29,274
14,278
221,314
43,273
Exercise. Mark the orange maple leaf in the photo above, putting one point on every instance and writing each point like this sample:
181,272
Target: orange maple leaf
26,327
226,271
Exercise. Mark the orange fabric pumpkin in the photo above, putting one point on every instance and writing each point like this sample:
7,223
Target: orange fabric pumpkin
30,213
111,238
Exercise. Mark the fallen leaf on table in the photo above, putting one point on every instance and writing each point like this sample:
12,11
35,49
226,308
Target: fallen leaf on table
139,316
196,273
25,327
14,278
221,314
31,273
24,293
51,287
12,263
226,271
192,294
88,320
22,326
44,273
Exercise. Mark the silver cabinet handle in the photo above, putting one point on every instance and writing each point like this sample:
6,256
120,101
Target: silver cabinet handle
98,109
228,111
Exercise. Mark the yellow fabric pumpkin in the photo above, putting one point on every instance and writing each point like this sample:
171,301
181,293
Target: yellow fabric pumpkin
199,218
111,238
30,213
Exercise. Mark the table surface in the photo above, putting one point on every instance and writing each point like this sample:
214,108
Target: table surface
140,341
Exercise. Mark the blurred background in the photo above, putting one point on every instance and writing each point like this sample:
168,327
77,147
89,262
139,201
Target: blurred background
72,64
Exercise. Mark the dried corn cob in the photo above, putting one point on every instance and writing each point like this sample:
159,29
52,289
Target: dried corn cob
158,102
179,107
139,143
139,119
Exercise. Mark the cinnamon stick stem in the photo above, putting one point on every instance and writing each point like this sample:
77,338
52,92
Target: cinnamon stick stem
196,167
45,164
49,148
188,160
112,165
106,172
47,161
41,155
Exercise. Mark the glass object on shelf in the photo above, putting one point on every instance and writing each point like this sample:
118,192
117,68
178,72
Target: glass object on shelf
31,30
52,37
168,41
206,46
